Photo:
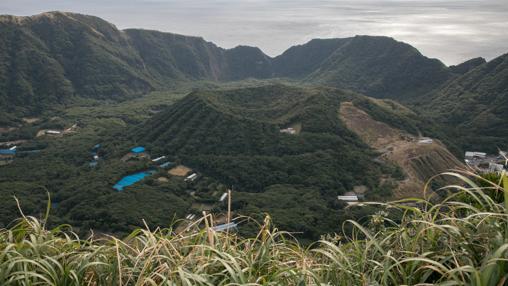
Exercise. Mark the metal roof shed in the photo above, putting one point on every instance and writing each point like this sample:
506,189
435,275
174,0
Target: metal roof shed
7,152
138,149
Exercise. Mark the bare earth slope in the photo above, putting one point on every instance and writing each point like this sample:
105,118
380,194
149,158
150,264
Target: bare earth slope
419,160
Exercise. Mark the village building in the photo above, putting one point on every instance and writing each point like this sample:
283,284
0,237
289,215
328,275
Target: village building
138,152
475,155
191,178
190,216
351,198
226,226
425,140
495,168
503,158
289,130
53,132
7,155
71,129
166,165
159,158
223,197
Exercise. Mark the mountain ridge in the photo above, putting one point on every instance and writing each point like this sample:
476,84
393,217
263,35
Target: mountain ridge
86,56
474,106
55,58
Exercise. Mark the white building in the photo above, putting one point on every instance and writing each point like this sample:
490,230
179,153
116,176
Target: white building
349,198
191,178
223,227
289,130
425,140
53,132
475,155
159,158
223,197
493,167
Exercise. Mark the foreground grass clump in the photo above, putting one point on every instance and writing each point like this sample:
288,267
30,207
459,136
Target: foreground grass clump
462,240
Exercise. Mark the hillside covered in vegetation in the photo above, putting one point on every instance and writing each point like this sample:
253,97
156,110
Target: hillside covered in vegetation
459,241
237,137
231,137
53,57
56,58
473,107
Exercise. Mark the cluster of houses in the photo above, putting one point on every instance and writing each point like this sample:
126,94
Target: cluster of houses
485,163
139,152
9,151
224,221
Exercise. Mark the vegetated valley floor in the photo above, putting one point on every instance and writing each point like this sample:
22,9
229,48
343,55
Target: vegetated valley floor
299,188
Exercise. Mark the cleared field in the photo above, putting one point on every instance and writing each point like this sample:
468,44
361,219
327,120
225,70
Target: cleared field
7,129
202,206
180,171
30,120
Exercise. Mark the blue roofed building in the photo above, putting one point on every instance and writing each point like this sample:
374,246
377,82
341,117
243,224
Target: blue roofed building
138,149
8,152
7,156
167,165
136,153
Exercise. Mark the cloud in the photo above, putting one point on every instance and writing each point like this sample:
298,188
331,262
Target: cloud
451,30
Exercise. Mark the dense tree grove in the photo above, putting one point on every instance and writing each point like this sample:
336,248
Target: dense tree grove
210,132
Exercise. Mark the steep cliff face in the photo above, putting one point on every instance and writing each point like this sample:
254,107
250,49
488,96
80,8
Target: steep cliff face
51,57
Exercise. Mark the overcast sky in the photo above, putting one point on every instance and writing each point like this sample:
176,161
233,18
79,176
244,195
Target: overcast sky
451,30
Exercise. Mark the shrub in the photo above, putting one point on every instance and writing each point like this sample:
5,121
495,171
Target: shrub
449,243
